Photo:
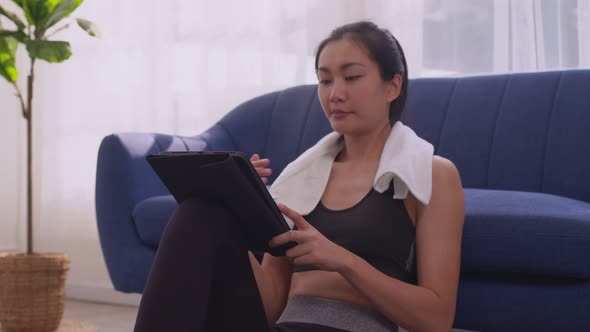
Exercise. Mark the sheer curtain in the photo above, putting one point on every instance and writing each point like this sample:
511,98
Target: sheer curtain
178,66
464,37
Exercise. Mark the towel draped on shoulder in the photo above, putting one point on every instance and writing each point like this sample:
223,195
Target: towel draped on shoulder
406,160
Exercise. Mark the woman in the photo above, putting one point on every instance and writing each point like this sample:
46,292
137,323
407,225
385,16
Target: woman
358,279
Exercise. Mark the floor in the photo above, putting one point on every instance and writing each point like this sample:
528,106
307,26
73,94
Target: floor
109,318
105,317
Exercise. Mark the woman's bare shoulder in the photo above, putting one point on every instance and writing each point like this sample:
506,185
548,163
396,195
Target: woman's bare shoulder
445,175
442,164
445,181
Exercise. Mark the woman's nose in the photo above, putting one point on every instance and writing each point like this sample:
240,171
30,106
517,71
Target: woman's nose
338,91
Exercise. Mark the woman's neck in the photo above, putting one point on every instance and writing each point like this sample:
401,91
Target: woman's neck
364,149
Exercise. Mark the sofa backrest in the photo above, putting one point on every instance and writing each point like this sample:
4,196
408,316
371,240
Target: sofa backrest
525,132
279,125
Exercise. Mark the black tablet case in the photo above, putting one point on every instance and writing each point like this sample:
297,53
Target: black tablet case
229,178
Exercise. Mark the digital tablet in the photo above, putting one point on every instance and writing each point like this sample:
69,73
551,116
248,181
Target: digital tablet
229,178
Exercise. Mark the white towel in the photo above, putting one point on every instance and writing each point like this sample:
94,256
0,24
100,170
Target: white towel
406,159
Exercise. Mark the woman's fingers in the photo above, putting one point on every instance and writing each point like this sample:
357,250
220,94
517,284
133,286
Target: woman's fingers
304,232
260,162
299,221
264,171
299,250
256,161
261,167
290,236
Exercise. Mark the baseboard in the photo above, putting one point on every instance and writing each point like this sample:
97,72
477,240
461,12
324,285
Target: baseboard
100,294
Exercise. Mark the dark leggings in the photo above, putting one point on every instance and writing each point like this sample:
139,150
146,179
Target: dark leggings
201,278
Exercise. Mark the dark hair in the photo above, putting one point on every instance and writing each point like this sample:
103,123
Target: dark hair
381,47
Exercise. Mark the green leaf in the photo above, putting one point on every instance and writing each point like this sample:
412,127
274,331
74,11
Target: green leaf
19,35
8,33
7,59
38,11
50,51
89,27
50,12
13,17
43,14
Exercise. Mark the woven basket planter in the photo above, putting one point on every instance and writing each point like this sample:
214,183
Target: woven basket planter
32,291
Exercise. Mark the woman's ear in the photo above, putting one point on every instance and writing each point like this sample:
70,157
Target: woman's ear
393,88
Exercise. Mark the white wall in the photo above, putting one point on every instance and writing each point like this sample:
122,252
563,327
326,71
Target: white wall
72,230
65,218
10,126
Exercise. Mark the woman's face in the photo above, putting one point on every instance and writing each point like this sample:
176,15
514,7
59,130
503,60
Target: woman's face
354,97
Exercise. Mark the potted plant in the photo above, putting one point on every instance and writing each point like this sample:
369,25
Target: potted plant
32,284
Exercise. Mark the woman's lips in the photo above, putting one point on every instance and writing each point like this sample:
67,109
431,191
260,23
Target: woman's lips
338,114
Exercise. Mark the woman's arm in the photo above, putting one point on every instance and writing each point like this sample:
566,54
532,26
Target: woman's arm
430,305
273,278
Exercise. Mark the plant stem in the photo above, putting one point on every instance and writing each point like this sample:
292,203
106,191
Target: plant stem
29,158
58,30
22,101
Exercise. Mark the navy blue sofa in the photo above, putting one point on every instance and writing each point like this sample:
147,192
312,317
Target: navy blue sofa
521,143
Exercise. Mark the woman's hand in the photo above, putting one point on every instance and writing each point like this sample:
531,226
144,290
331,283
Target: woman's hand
261,166
314,248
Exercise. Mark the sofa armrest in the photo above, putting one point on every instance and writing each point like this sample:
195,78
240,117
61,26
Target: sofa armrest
123,179
122,164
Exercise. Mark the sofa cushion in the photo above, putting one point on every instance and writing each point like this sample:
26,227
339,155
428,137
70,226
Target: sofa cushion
504,232
525,233
151,216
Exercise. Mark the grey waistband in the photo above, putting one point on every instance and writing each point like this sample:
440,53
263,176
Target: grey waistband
334,313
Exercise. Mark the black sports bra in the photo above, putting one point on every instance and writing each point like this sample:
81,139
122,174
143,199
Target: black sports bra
378,229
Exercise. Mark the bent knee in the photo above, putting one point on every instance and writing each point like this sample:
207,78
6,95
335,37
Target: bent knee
203,212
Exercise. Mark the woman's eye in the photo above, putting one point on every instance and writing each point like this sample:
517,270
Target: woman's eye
325,82
352,78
